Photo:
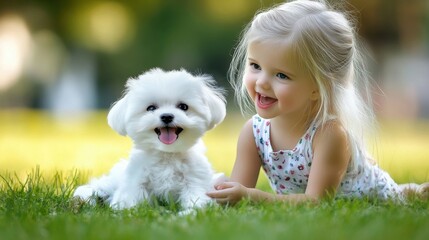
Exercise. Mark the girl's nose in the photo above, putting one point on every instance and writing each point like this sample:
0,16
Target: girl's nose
263,81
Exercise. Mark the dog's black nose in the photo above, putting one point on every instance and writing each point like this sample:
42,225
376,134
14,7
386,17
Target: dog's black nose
167,118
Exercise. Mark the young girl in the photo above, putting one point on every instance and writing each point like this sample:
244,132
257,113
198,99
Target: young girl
300,66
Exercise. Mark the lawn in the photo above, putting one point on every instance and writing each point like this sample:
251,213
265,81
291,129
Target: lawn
43,158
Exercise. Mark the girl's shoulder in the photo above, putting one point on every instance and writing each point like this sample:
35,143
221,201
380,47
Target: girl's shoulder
246,137
331,126
247,129
330,132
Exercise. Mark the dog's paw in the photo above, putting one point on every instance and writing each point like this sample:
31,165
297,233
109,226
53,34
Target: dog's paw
187,212
85,193
88,194
121,205
123,201
196,202
423,191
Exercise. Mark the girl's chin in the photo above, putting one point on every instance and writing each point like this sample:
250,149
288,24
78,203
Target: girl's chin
265,113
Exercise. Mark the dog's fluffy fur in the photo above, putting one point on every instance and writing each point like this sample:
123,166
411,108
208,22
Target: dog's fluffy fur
165,114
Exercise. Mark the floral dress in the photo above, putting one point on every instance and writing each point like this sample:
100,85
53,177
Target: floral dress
288,170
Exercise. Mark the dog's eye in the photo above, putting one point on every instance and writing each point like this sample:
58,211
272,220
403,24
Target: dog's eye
151,108
182,106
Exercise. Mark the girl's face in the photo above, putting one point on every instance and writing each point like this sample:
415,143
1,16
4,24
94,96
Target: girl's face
276,83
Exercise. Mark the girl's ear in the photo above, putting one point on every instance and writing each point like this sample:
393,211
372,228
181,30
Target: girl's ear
315,95
117,115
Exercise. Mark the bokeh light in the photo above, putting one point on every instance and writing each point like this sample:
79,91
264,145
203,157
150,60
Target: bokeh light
14,49
104,26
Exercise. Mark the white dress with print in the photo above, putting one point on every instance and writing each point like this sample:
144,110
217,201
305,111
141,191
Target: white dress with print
288,170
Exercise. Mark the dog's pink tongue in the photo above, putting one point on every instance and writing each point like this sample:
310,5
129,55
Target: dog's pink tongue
167,135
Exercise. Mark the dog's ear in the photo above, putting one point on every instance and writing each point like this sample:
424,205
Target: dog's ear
214,98
117,114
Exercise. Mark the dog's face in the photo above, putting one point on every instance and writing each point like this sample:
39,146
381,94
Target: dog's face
167,111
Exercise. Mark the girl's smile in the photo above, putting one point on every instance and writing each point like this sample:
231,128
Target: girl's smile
265,102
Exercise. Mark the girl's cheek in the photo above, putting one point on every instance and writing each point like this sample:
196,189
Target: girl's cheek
249,83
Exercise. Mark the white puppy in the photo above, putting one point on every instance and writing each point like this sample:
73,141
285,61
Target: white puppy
165,114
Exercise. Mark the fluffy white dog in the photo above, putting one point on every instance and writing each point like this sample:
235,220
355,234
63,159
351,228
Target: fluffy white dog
165,114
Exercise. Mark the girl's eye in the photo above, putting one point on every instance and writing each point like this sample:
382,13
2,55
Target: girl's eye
255,66
282,76
151,108
183,106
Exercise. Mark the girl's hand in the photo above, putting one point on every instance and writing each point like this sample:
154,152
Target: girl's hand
228,193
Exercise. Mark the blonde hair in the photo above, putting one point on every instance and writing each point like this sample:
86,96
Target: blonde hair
326,45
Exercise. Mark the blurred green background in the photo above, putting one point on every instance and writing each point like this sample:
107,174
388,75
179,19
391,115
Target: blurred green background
63,63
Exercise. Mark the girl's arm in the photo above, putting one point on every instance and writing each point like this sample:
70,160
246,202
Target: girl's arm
330,160
245,171
247,162
331,156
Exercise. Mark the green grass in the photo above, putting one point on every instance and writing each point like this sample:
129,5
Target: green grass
42,208
36,203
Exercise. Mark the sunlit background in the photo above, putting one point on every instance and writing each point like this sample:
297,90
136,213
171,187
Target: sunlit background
63,63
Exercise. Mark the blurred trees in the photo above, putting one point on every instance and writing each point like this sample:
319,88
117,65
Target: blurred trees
104,42
124,38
